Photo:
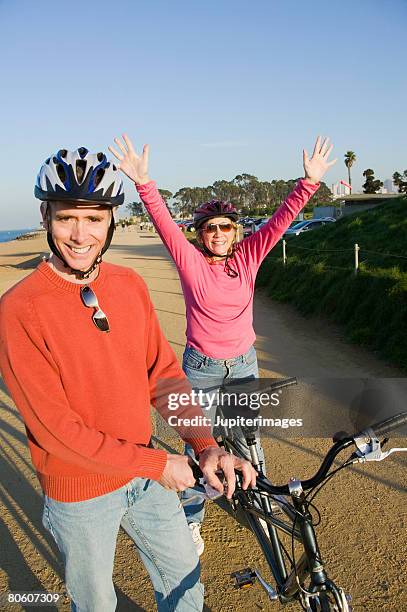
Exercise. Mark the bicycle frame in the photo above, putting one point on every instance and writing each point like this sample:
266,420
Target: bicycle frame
251,506
300,528
321,590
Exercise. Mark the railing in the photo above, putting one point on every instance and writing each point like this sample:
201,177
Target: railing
357,251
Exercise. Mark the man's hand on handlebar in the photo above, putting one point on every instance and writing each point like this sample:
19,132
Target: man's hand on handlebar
213,460
177,474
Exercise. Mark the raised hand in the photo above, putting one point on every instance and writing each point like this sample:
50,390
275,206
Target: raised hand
316,167
134,166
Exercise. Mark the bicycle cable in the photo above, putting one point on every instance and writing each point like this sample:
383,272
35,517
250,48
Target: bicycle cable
300,586
315,491
327,478
280,501
308,505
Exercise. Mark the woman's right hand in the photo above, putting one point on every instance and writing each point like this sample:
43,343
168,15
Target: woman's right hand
134,166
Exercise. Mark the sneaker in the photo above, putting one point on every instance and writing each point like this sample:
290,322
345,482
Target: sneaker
197,538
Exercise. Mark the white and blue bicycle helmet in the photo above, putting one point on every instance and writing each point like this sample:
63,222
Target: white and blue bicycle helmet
79,176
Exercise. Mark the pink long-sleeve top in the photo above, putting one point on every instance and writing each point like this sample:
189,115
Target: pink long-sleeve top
219,308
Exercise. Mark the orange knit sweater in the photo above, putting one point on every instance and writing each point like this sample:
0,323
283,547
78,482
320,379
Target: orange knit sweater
85,395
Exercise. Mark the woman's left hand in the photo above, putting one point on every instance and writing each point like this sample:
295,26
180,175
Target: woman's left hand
316,167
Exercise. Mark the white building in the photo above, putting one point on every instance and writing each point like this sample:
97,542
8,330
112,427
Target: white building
339,190
389,186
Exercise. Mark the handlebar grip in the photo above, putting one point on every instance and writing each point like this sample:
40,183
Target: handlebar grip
196,470
286,382
394,422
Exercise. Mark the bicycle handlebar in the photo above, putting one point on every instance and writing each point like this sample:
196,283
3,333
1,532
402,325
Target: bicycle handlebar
264,485
274,386
383,427
280,384
379,429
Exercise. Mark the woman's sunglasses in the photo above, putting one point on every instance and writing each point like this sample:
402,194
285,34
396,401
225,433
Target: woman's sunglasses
90,300
212,227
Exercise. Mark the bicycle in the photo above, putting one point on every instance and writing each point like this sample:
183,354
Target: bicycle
304,579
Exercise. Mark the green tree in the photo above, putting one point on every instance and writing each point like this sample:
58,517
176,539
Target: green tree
226,191
247,185
136,209
371,185
322,197
401,181
183,200
281,189
188,198
166,195
350,159
250,195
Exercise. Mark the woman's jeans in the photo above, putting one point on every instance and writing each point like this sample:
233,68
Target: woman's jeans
86,532
207,374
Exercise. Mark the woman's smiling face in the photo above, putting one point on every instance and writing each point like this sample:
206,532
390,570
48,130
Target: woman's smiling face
214,239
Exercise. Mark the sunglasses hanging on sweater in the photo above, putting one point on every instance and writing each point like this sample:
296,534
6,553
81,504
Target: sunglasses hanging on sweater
90,301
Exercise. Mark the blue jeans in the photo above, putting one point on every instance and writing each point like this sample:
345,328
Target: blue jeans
206,373
86,532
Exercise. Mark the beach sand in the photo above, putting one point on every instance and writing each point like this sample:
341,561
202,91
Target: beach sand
363,532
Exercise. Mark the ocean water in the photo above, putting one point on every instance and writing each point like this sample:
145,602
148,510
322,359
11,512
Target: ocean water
7,235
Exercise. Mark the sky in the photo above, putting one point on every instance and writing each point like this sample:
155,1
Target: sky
216,88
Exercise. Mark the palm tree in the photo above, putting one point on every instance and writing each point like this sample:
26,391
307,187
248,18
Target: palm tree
350,159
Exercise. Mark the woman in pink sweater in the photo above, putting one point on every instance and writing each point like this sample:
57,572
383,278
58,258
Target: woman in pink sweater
218,279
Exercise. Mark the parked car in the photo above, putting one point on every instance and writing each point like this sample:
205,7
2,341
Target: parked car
244,220
248,228
259,223
306,226
183,224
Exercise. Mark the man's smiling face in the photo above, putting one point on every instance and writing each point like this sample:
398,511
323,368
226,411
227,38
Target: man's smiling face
79,231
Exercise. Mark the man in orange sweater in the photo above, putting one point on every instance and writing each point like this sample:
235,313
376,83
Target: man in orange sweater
83,356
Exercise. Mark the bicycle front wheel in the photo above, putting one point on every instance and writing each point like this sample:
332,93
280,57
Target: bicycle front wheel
327,602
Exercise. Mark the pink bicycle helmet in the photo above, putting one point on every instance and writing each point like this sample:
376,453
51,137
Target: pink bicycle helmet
214,208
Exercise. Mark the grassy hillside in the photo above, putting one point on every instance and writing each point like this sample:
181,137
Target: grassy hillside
319,278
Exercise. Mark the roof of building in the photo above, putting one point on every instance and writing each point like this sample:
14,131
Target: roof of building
368,198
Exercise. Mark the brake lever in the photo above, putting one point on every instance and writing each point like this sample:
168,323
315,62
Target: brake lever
210,492
369,448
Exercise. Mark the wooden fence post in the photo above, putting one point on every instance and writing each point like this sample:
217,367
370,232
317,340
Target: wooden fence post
357,249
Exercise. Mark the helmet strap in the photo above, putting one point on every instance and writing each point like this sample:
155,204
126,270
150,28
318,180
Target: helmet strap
229,270
210,254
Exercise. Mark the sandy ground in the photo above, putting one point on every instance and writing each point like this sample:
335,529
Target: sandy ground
363,531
